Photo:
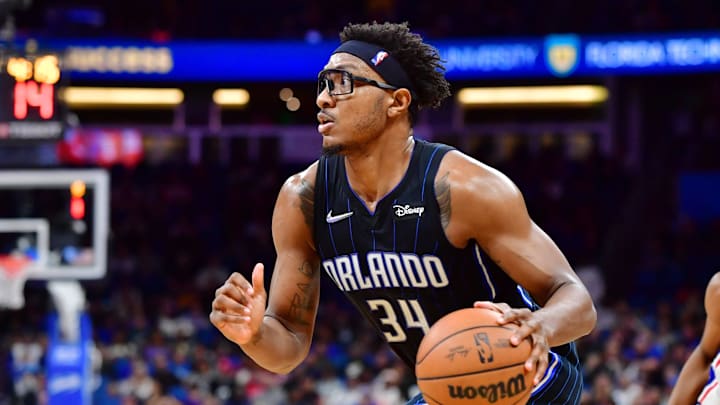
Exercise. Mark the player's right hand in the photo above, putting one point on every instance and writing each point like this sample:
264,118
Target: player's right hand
239,307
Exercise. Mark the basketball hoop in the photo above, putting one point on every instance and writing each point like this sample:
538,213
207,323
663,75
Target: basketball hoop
13,274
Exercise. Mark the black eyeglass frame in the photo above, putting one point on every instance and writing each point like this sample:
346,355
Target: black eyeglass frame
353,78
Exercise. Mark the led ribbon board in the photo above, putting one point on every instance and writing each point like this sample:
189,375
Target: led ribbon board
466,59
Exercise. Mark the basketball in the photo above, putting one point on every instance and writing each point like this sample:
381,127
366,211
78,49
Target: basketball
467,358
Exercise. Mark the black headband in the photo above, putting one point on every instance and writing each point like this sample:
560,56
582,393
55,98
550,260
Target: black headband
380,60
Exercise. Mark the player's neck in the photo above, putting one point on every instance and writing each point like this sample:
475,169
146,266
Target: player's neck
375,173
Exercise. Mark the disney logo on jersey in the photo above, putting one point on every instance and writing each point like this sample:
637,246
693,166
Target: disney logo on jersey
407,211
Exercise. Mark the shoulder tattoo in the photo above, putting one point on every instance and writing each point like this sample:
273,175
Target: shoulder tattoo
307,201
442,190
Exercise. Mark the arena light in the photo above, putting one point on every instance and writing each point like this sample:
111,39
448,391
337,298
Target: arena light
109,97
231,97
578,95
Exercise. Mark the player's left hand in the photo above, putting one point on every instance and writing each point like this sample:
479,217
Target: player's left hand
530,327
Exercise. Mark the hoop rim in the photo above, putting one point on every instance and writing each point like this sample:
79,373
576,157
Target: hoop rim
14,272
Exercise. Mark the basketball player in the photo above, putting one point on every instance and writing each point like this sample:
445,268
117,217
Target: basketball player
408,230
699,380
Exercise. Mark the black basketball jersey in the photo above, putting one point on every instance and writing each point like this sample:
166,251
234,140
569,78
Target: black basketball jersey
396,264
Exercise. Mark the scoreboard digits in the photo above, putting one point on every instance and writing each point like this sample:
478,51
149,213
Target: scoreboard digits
29,106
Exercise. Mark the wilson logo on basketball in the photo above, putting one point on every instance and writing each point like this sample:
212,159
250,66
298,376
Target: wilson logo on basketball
482,343
491,392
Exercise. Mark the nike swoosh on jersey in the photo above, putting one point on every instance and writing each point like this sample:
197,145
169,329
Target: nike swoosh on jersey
331,219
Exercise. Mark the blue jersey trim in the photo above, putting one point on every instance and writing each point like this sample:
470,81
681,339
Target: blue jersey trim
488,279
352,240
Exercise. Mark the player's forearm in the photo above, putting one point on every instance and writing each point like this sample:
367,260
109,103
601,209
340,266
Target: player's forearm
568,314
691,379
276,348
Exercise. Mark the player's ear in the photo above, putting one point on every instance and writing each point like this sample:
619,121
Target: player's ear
400,102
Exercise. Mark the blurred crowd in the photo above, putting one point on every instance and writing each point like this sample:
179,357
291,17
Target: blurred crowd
179,230
315,19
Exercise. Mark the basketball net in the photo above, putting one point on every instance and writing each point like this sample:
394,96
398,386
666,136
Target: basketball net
13,274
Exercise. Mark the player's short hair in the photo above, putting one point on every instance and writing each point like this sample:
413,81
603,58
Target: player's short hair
420,61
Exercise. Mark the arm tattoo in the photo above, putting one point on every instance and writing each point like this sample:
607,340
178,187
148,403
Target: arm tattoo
300,304
303,298
442,190
307,269
307,201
